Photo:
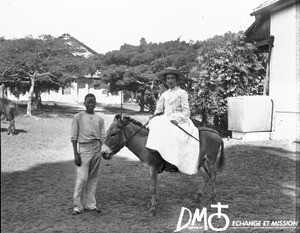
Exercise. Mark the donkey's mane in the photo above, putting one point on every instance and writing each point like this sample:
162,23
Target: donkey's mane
135,122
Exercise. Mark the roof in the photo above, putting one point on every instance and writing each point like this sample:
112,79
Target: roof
270,6
259,31
87,52
73,41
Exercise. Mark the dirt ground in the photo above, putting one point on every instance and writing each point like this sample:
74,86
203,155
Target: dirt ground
259,183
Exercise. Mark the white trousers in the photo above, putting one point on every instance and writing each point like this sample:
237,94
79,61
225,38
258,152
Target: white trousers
174,145
87,176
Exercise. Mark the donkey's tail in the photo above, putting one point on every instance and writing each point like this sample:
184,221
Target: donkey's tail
220,161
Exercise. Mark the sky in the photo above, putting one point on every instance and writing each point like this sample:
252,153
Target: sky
105,25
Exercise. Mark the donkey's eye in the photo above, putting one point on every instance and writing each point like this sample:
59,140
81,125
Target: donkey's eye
114,134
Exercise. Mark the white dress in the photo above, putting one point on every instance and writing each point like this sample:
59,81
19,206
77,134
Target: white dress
174,145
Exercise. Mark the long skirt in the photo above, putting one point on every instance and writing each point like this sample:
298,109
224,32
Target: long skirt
174,145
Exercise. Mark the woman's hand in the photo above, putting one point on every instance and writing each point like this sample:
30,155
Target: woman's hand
174,122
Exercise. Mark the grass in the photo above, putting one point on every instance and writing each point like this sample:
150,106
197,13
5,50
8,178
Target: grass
259,182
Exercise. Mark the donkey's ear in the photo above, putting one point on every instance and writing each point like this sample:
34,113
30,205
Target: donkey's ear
118,118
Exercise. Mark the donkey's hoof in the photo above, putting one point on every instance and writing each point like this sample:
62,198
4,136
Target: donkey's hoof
213,199
152,212
150,203
198,197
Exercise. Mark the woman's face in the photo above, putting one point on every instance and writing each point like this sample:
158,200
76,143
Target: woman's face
171,80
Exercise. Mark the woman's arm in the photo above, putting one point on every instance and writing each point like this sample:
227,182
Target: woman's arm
185,109
160,105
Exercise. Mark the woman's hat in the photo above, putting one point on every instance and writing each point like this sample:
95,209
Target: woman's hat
170,70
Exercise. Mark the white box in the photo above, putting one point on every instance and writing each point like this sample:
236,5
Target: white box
250,114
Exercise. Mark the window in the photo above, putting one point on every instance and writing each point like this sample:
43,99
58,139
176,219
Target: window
66,90
81,85
97,86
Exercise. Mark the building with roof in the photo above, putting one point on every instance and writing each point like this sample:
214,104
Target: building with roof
80,86
86,51
276,30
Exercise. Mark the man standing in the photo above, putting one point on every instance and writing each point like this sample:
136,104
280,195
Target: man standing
87,136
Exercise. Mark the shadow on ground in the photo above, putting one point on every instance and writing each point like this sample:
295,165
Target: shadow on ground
65,110
51,110
18,131
126,109
257,185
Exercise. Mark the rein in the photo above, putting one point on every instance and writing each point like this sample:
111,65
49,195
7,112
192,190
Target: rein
143,126
128,139
186,132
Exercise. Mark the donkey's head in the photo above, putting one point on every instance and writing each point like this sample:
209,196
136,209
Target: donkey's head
115,138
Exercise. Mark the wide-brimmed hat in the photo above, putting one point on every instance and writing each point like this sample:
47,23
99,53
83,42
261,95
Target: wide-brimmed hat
170,70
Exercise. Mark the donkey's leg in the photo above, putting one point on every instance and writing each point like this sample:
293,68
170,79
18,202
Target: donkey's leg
153,187
199,192
204,178
213,175
11,128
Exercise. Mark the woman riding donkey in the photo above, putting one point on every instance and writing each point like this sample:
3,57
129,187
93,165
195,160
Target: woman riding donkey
173,134
171,137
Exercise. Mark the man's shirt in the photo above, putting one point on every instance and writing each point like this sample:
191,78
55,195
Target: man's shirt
87,128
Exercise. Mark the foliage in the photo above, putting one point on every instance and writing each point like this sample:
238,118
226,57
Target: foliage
227,66
45,64
216,68
134,68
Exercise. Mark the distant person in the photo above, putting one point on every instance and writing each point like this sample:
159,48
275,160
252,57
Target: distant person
87,136
178,148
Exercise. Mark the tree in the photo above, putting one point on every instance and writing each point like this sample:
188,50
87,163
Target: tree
38,65
227,66
216,68
134,68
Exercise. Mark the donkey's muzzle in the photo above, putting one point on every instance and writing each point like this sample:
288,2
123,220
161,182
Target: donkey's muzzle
106,152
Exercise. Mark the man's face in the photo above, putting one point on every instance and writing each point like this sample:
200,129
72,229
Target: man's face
90,103
171,80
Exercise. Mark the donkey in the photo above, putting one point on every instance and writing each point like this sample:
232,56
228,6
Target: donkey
133,134
9,109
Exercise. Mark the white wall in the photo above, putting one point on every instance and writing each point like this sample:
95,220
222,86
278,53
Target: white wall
284,72
76,95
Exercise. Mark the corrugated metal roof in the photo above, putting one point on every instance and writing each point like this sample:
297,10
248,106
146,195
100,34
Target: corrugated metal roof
270,6
71,40
265,4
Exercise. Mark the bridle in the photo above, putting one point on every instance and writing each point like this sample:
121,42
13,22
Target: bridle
127,139
143,126
122,125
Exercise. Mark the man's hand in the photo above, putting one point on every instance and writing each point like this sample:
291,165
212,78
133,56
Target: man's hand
174,122
77,159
